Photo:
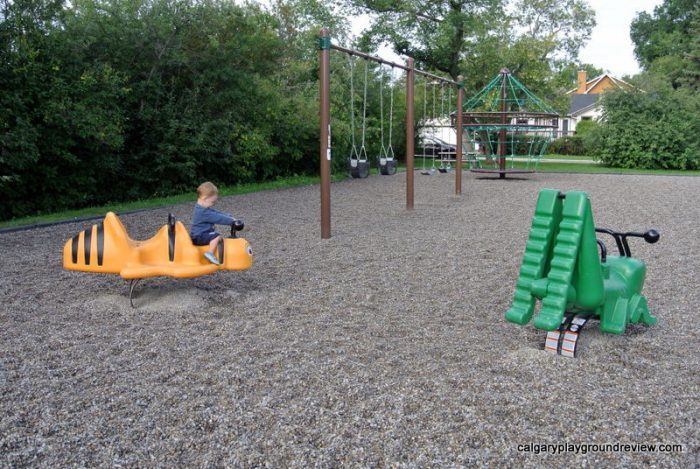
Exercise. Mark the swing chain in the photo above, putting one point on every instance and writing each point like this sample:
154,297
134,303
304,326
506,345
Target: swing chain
353,150
382,150
391,115
363,151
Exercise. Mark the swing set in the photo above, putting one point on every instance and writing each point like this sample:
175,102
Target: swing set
433,138
358,160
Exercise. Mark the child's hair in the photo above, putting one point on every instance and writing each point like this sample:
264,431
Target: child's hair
207,189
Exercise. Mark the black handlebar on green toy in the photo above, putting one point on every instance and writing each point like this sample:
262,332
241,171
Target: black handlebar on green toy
650,236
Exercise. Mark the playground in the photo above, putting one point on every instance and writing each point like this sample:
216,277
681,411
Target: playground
385,345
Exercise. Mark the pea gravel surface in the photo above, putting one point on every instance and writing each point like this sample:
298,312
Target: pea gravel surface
384,346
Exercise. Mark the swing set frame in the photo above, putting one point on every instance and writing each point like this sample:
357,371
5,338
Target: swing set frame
325,47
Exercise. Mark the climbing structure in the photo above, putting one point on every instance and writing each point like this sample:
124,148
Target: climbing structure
506,127
562,268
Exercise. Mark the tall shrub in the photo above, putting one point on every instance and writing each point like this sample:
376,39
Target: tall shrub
585,126
107,100
652,130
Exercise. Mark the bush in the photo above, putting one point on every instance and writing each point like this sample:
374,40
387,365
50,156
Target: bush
654,130
571,145
100,108
520,144
585,126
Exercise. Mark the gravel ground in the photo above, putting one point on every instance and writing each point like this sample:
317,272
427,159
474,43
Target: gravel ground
384,346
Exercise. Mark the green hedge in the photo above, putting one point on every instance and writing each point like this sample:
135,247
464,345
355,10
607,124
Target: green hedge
652,130
103,102
585,126
570,145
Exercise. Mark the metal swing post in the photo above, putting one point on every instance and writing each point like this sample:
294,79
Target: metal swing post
460,132
325,140
410,80
502,133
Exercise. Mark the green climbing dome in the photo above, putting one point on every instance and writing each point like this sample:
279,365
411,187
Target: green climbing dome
505,123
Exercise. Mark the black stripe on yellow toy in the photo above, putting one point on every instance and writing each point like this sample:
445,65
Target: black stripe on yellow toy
100,243
74,248
220,251
87,245
171,237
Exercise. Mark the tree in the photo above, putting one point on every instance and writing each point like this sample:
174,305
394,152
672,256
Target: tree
657,127
663,40
560,27
61,123
109,100
437,33
691,76
458,36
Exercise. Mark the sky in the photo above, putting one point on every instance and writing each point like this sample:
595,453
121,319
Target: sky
610,46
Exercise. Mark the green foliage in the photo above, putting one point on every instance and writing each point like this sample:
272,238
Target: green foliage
657,128
529,145
691,75
653,130
665,40
569,145
113,100
585,126
663,33
60,122
476,38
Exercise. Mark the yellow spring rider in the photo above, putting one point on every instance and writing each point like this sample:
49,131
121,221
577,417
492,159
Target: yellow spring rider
107,248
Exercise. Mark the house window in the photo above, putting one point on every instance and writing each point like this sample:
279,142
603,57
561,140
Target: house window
587,118
565,126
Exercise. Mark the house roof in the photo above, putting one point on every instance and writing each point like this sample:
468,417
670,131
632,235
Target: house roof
579,102
591,84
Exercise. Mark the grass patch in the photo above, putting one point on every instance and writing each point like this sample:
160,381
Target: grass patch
156,202
597,168
567,157
189,197
561,167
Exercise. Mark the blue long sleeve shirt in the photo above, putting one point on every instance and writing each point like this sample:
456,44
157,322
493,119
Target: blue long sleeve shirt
204,219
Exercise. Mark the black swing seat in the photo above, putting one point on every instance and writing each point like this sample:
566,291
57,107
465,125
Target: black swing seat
388,167
359,169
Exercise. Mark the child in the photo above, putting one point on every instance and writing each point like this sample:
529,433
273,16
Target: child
204,218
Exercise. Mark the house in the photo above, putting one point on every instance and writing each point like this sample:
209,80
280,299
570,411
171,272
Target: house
584,100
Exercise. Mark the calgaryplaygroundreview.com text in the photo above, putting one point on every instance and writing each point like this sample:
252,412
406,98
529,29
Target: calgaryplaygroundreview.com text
585,448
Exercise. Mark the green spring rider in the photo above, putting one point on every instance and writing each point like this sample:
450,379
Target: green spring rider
563,269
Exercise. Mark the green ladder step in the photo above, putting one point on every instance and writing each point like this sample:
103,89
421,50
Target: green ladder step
544,223
561,271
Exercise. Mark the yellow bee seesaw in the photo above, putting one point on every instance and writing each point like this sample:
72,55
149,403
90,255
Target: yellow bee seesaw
107,248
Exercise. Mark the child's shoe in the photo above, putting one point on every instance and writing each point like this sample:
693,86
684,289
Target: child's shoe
212,258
